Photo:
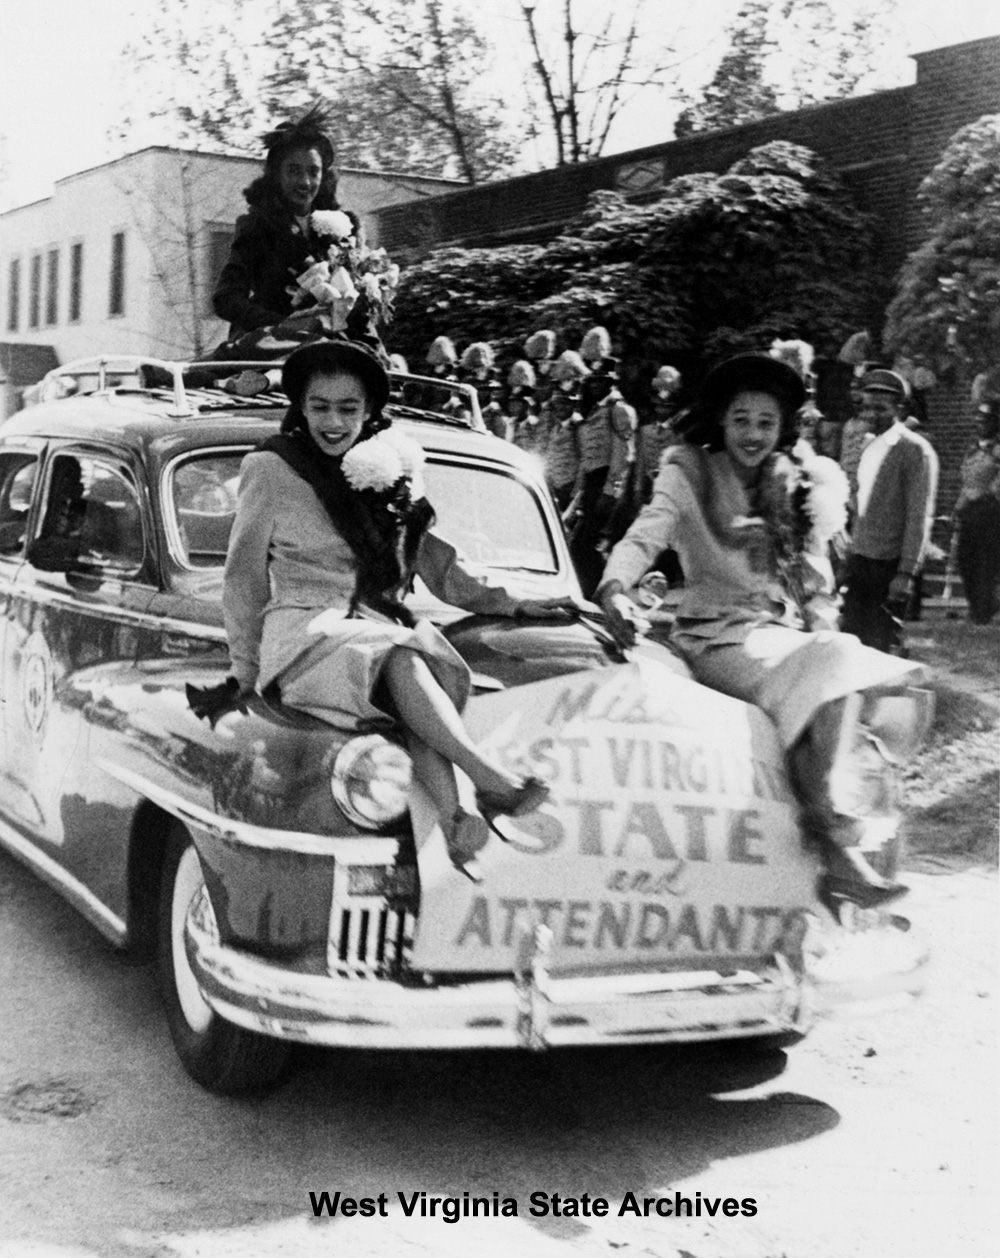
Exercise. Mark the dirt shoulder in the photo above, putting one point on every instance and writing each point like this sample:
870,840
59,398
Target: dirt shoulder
952,787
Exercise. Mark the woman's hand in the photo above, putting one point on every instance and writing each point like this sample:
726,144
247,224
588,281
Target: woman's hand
562,608
624,618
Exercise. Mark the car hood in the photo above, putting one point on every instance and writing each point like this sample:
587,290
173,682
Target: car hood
517,653
498,649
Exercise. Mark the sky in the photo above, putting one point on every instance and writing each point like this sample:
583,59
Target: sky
63,75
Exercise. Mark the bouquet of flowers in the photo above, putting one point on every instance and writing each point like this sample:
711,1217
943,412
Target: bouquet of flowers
349,269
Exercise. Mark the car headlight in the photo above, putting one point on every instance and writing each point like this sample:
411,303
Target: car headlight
371,781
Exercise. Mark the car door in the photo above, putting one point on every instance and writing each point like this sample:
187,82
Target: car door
18,473
74,608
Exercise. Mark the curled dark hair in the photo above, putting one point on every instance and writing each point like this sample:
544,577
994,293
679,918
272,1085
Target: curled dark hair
265,191
307,132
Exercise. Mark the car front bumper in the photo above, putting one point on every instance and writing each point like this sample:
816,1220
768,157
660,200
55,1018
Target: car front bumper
533,1009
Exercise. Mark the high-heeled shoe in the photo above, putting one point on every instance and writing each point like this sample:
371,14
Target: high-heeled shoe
848,876
467,836
531,794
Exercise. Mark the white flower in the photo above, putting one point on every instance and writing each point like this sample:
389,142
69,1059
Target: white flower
333,223
370,286
411,454
341,280
373,464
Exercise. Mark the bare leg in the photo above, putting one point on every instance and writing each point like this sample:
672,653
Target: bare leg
843,796
465,833
428,712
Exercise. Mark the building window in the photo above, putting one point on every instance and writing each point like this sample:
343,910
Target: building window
75,281
219,241
14,295
52,289
116,297
35,292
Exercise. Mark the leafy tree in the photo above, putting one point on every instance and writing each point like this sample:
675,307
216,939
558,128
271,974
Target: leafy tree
404,76
786,54
739,91
773,247
189,82
946,312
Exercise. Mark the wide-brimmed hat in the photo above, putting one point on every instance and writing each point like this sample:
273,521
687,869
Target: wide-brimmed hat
757,373
330,357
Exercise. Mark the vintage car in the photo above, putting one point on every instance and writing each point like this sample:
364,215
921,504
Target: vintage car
289,878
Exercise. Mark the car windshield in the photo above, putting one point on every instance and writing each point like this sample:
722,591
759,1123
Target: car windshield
489,517
487,514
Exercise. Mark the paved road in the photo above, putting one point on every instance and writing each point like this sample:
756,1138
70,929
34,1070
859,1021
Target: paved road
874,1138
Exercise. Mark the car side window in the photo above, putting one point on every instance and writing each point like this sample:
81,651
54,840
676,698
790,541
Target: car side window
92,513
203,490
17,480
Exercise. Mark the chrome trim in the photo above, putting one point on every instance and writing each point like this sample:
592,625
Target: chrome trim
122,615
360,849
109,923
171,528
374,1013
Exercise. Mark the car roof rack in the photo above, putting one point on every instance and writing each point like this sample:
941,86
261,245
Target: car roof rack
459,404
108,371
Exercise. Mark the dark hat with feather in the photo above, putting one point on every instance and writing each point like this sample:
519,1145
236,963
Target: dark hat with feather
307,132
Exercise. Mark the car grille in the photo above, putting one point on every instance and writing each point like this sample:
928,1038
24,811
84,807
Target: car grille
368,939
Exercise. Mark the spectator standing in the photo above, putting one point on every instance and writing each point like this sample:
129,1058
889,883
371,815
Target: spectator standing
897,488
607,458
442,358
853,439
977,519
495,418
539,350
562,418
527,430
656,432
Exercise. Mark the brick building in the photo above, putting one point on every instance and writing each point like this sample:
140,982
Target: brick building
883,145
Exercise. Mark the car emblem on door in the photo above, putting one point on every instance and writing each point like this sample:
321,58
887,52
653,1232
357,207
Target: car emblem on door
36,682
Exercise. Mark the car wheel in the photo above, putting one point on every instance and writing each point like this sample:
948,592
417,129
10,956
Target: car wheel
217,1054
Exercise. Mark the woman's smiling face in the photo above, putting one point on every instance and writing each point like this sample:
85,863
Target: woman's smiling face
751,426
335,406
300,174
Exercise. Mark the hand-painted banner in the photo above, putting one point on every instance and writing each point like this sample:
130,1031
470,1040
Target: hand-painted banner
670,835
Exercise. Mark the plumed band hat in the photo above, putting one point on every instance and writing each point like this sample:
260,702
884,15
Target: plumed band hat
329,358
756,373
881,380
